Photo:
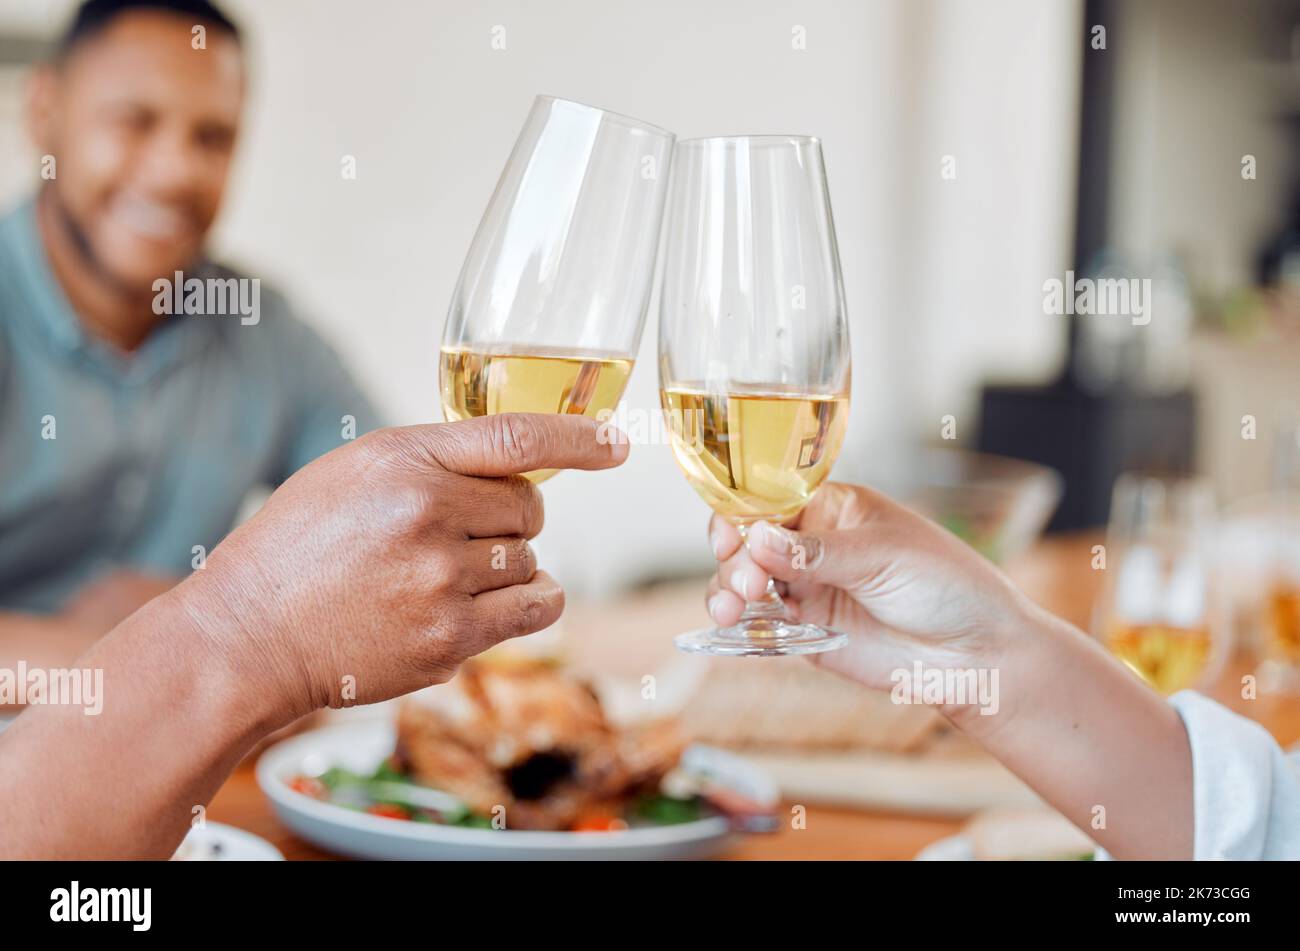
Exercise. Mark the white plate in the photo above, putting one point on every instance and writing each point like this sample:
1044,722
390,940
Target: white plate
216,842
959,848
954,848
363,745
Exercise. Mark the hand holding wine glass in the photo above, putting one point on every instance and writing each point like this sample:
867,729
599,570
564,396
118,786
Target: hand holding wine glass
903,589
908,592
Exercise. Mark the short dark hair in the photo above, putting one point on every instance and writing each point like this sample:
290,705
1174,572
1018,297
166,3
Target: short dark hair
93,16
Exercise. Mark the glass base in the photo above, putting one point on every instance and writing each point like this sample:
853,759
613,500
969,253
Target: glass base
762,638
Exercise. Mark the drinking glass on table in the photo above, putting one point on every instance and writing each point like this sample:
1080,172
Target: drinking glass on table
754,350
1281,668
1282,650
1158,611
548,312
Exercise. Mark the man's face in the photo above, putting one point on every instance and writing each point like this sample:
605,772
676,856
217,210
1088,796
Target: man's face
142,127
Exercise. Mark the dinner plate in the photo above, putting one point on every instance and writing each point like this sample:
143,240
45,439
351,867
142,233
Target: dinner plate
361,746
954,848
217,842
960,848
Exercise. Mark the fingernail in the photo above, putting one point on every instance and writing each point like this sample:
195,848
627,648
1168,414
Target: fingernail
738,583
772,537
607,434
714,602
716,544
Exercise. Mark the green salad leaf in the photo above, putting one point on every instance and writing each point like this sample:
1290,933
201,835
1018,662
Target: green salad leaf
664,810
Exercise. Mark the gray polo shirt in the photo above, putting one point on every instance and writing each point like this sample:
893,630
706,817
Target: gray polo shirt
132,460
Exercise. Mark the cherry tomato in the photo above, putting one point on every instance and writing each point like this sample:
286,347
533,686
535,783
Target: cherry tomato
309,786
389,810
599,822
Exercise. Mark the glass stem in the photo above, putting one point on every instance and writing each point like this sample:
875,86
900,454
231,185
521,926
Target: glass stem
769,607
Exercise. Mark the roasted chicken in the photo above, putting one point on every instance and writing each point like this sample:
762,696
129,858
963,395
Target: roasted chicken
532,740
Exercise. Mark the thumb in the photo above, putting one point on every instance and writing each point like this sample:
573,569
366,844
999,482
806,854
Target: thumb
833,558
510,443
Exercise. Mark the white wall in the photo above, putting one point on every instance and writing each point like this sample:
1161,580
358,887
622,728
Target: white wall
994,86
943,278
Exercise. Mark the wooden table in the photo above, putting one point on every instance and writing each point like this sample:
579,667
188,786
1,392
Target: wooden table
1057,573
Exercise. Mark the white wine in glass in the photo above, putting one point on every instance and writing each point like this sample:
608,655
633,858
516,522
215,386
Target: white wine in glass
754,350
755,453
548,313
479,383
1159,610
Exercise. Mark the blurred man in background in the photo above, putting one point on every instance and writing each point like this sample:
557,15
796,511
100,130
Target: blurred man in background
135,417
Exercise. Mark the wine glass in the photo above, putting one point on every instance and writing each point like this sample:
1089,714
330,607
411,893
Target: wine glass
753,350
1158,611
1280,671
548,312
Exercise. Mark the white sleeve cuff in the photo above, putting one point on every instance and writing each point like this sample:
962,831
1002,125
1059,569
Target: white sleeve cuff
1246,792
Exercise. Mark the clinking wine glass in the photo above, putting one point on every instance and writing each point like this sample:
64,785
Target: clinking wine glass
754,350
548,312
